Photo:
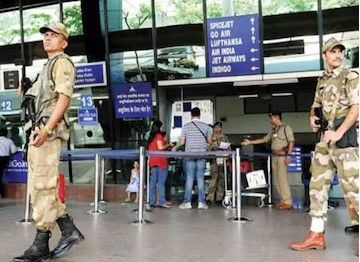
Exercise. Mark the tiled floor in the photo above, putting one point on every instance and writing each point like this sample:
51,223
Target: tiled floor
184,236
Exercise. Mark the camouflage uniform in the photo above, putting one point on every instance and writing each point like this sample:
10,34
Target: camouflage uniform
354,216
328,157
217,182
280,137
57,76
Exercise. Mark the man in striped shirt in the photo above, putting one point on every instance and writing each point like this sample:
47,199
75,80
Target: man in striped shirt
196,136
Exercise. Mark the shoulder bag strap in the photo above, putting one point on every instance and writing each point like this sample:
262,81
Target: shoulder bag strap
199,130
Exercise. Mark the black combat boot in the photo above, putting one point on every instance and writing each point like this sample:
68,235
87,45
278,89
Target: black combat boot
38,250
70,236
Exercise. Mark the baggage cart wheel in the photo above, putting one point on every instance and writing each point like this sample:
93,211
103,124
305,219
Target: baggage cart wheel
260,202
226,203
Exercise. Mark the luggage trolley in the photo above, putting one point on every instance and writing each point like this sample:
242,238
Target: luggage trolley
255,180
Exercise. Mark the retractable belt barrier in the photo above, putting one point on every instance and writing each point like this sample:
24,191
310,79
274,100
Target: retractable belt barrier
86,155
65,155
99,155
202,155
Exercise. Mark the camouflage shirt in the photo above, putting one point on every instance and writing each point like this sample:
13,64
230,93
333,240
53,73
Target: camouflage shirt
341,83
216,140
57,77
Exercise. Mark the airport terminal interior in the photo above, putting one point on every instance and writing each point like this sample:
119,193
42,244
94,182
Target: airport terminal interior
143,60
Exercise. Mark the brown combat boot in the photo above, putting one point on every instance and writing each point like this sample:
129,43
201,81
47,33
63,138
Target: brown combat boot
285,206
312,241
279,204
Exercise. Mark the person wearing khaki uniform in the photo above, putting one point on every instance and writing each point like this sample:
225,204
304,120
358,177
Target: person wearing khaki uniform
337,97
51,94
282,143
217,182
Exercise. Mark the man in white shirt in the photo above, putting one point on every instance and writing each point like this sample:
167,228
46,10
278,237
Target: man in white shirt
7,148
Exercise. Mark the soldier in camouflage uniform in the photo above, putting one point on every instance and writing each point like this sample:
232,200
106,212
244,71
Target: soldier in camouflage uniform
52,92
337,94
217,182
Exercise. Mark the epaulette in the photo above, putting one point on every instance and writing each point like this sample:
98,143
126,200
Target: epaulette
352,74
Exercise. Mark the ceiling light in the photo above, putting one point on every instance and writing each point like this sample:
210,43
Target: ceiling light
266,82
282,94
247,96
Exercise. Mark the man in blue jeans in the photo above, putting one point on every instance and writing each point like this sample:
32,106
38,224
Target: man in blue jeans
196,136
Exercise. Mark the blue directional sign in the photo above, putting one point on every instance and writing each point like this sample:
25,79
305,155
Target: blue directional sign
16,170
6,105
295,165
132,100
86,101
90,74
87,116
233,45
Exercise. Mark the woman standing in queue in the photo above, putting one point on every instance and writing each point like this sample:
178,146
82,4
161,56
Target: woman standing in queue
158,165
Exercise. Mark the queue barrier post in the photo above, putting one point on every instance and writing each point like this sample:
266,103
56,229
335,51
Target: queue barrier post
102,182
96,209
233,178
141,219
270,203
26,220
239,218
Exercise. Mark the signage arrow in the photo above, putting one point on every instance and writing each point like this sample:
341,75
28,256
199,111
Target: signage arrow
252,30
252,20
254,68
252,50
253,38
254,59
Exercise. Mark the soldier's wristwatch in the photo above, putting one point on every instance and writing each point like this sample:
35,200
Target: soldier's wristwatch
48,130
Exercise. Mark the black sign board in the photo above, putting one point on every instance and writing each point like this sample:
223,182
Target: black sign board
11,79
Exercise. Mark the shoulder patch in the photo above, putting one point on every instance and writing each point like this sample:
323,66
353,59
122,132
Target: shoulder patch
352,75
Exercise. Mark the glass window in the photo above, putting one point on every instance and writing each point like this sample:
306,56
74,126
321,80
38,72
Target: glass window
341,20
177,12
244,7
10,28
181,62
291,41
273,7
37,17
72,17
138,66
136,14
328,4
220,8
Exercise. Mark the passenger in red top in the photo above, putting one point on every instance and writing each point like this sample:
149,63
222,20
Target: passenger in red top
158,165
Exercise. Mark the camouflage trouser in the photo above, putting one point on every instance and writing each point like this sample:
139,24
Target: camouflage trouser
327,159
43,166
354,216
217,182
280,175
